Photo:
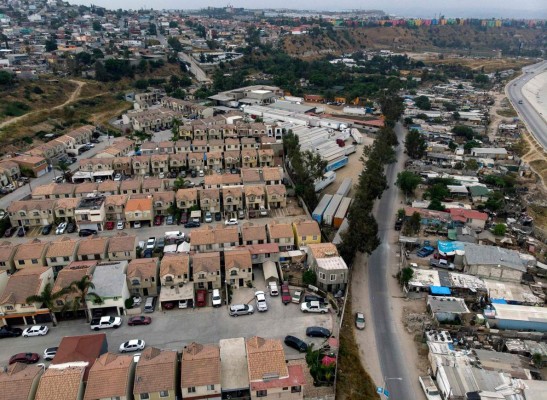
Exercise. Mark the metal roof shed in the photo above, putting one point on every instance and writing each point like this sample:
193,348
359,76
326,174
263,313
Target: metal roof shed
270,272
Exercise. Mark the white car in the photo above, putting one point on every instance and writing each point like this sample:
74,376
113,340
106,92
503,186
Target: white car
217,300
137,301
231,221
61,228
261,301
49,353
151,243
137,224
90,145
120,225
314,307
161,175
132,345
274,291
118,177
35,330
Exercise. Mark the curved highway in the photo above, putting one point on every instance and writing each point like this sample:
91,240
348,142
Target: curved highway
535,121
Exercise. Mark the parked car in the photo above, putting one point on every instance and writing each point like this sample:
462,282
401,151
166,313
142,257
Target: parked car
61,228
109,225
87,232
137,224
194,173
296,296
132,345
139,320
314,307
201,173
58,179
50,352
47,229
285,293
261,301
208,217
184,217
36,330
21,231
274,291
231,221
168,305
120,225
170,220
25,358
118,177
425,251
151,243
263,212
182,174
360,320
192,224
137,301
8,331
160,243
296,343
10,231
241,214
218,216
312,297
158,220
241,309
183,303
70,227
217,300
234,171
317,331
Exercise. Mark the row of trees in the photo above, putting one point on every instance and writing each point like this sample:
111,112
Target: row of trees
362,233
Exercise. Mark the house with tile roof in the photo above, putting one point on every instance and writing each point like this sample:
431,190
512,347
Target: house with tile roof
31,212
115,207
186,198
65,383
139,209
203,239
255,197
9,171
109,187
143,276
31,254
200,371
85,188
20,381
61,252
75,271
306,232
92,249
276,196
111,377
7,251
122,246
266,157
153,185
110,282
238,266
232,159
472,218
156,374
215,160
232,198
78,350
21,285
163,202
206,270
177,162
131,186
64,209
175,279
272,175
196,161
281,234
253,234
122,165
36,164
269,375
141,165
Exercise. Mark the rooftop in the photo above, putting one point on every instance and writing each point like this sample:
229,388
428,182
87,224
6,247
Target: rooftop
266,359
60,383
91,203
16,381
109,279
84,348
476,254
233,364
331,264
155,371
521,313
109,377
444,304
200,365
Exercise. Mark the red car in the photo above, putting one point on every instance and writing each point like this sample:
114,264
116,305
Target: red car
285,293
184,218
25,358
109,225
158,219
168,306
139,320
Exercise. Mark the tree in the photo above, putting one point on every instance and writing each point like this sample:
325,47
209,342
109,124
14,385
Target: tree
309,277
408,181
500,229
47,299
406,275
438,191
415,222
65,169
81,290
97,26
436,205
6,78
415,144
422,102
537,359
471,165
51,44
152,30
180,183
461,130
495,202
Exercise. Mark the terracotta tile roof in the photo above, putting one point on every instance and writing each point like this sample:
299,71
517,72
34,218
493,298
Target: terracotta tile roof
323,250
92,246
307,228
84,348
212,180
248,153
266,357
31,250
29,205
214,155
196,156
279,190
123,161
109,377
180,157
228,234
199,142
187,194
63,188
122,242
152,183
250,175
123,143
231,141
272,174
164,197
160,158
233,155
206,262
279,231
116,200
200,365
16,383
265,152
73,272
250,231
166,145
141,159
254,190
43,190
155,371
67,203
6,250
86,187
142,267
468,214
109,186
85,130
60,384
233,191
209,194
231,179
237,258
264,248
63,247
130,184
204,235
139,204
175,264
248,140
22,284
295,378
216,142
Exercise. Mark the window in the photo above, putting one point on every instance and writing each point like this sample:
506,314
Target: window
21,262
261,393
286,388
164,393
192,389
9,308
66,258
59,302
314,237
332,277
2,264
296,389
322,275
34,261
233,272
144,396
303,237
210,387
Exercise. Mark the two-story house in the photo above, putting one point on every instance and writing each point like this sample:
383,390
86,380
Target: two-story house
163,202
110,283
31,254
31,213
156,375
266,157
196,161
232,144
178,162
215,160
123,166
209,200
90,213
273,176
306,232
253,234
131,186
62,383
255,197
142,276
21,379
64,209
73,272
200,371
61,252
122,247
159,163
85,189
232,198
276,196
7,251
238,267
232,159
139,210
141,165
203,239
249,158
109,188
183,146
152,185
115,207
92,249
226,237
186,198
330,268
281,234
175,280
116,369
206,270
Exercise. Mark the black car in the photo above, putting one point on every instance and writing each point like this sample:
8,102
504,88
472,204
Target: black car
317,331
192,224
296,343
46,230
21,231
218,216
194,173
148,253
87,232
70,228
311,297
7,331
10,231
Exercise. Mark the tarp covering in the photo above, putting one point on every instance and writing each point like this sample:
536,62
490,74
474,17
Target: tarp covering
498,301
449,248
439,290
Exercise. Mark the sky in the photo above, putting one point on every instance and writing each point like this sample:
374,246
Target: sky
409,8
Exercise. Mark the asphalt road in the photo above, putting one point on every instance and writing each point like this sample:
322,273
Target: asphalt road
536,123
392,363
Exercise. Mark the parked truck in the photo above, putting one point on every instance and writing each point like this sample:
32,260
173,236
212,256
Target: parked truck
327,179
442,263
430,389
195,216
105,323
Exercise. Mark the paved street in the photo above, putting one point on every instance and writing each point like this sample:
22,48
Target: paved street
176,328
535,121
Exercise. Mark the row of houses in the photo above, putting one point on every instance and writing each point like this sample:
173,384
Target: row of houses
83,369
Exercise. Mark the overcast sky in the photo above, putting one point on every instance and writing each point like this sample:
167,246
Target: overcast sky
412,8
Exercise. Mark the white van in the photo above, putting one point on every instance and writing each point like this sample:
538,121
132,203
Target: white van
174,235
149,305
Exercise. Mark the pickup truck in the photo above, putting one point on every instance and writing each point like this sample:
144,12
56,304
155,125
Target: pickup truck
285,293
105,322
442,263
425,251
429,388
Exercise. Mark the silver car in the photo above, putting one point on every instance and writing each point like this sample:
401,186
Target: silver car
241,309
359,320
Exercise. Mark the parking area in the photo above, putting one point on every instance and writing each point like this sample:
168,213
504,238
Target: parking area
176,328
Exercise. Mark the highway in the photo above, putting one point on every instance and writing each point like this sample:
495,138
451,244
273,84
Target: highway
395,369
535,121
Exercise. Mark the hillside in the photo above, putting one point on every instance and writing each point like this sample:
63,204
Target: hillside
454,38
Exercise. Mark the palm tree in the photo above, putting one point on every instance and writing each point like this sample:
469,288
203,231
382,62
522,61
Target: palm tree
175,130
47,298
65,169
82,289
